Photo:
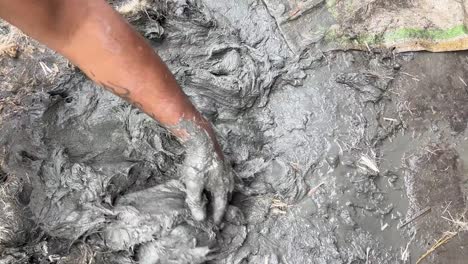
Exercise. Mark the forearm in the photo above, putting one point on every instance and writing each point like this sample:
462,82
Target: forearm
100,42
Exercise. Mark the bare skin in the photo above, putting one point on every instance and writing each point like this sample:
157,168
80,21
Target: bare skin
104,46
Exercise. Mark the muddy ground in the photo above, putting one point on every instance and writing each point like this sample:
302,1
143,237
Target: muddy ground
341,156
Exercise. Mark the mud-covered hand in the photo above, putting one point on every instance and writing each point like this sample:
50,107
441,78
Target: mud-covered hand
204,169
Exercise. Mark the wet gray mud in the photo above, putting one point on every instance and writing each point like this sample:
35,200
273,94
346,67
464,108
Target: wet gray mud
336,153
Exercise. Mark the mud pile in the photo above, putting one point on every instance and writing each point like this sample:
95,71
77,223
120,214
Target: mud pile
328,149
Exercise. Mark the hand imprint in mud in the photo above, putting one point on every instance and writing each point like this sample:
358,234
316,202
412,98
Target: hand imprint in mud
204,170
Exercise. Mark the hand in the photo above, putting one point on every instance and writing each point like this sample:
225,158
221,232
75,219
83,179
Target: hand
205,169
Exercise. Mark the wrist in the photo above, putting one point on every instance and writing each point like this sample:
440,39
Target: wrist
197,133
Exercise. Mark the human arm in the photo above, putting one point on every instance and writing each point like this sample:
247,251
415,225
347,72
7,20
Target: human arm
106,48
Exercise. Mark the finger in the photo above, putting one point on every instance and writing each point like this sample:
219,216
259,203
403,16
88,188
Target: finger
219,205
195,200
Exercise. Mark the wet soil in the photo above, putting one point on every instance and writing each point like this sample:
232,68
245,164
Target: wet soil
336,152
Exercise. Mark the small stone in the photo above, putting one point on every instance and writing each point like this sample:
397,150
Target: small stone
10,50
